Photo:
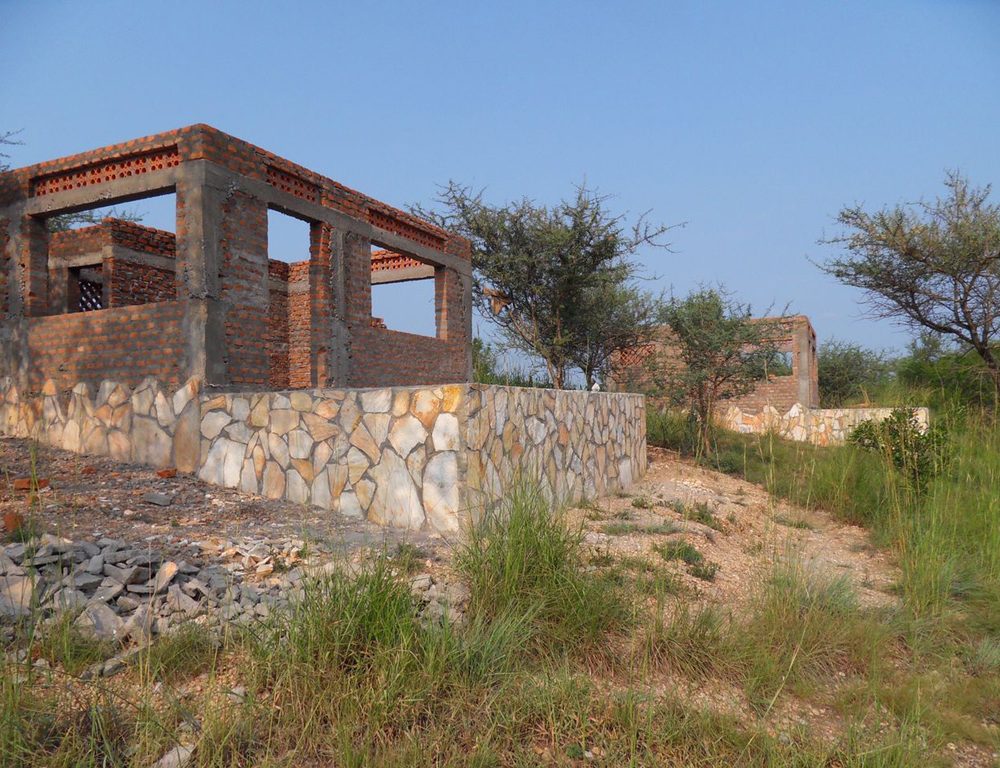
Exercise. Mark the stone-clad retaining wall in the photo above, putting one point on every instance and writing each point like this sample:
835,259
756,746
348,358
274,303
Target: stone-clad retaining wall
147,425
826,426
580,445
409,457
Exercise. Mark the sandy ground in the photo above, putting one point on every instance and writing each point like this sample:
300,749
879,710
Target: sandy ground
90,497
750,530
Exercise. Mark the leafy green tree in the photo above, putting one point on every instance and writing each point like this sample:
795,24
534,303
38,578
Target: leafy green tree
617,317
847,371
716,351
947,373
932,266
542,273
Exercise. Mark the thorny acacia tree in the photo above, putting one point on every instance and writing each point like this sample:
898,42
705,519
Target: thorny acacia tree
715,351
7,138
933,266
616,317
554,279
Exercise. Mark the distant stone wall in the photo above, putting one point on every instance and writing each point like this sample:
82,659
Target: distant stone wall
819,426
411,457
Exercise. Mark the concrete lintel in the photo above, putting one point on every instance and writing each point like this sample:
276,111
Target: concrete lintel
119,252
222,178
155,260
107,193
77,260
400,244
406,274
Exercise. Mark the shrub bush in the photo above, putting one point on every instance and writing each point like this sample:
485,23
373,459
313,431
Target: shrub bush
919,454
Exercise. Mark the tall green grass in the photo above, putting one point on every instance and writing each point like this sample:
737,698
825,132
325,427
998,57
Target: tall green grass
947,538
353,675
524,558
803,628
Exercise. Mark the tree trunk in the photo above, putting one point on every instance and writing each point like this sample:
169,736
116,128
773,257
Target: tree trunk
994,370
991,366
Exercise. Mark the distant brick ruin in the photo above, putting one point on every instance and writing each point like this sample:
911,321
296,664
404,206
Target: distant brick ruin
795,380
785,401
208,302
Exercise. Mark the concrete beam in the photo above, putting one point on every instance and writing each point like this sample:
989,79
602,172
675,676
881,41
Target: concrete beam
107,193
399,244
404,275
298,208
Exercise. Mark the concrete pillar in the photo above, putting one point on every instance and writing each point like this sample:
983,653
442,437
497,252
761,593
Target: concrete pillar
338,368
807,391
198,228
357,281
30,246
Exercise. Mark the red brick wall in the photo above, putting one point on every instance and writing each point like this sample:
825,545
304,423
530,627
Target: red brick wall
125,344
382,358
127,281
781,392
244,289
74,242
277,325
141,238
130,282
299,325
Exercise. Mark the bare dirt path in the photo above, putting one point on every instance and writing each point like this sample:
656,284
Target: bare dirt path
746,530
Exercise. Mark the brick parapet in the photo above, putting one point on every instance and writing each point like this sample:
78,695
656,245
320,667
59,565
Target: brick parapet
203,142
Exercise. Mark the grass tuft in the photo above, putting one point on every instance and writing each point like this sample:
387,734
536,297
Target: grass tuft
525,558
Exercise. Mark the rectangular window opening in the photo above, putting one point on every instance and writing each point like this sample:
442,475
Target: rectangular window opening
112,256
289,318
780,364
403,293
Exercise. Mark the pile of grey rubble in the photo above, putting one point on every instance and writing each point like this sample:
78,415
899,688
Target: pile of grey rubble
127,592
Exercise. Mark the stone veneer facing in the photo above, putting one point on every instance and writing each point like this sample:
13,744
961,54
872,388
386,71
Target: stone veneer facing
409,457
820,426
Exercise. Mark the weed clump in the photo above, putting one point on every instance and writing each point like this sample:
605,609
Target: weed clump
525,559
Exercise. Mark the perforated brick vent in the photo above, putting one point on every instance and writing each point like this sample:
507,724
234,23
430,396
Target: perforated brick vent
291,184
387,261
91,296
418,234
102,172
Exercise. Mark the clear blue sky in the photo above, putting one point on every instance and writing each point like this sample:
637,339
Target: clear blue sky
752,122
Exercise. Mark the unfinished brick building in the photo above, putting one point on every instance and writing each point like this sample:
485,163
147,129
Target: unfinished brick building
123,301
179,349
796,379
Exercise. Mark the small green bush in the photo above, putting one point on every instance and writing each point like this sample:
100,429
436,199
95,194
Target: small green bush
679,550
919,454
